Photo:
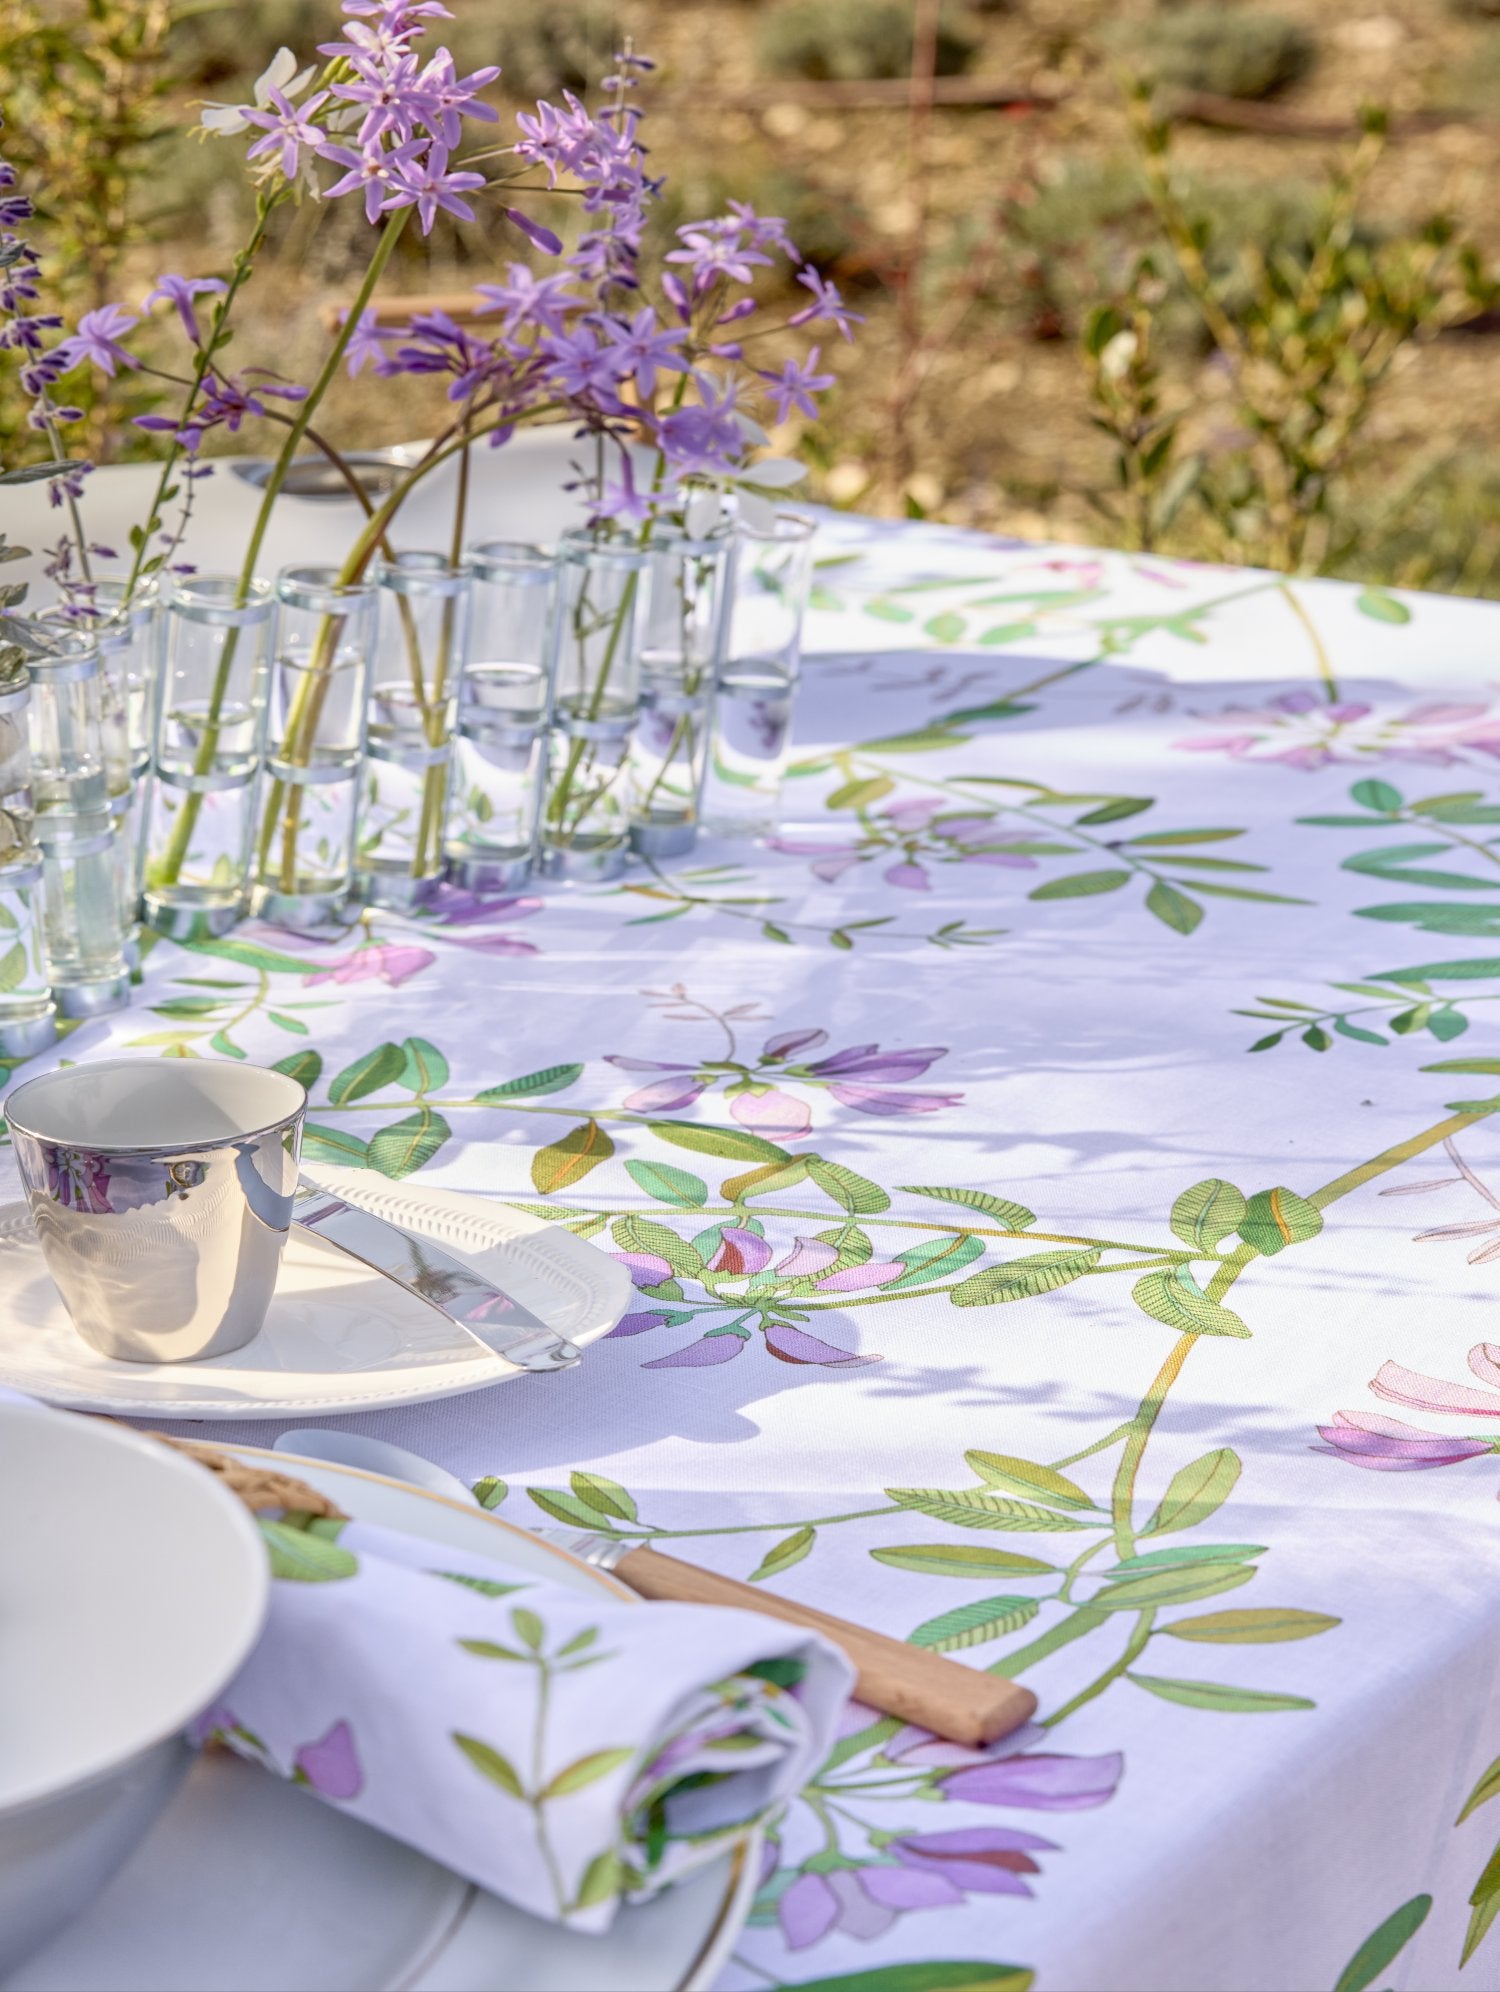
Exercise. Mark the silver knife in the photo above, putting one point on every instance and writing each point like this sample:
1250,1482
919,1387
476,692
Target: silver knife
494,1318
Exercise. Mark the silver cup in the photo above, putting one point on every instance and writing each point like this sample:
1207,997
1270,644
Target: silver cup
161,1192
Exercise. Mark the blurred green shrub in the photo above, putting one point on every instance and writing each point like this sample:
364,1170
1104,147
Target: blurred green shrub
1473,83
1224,51
542,46
854,41
229,39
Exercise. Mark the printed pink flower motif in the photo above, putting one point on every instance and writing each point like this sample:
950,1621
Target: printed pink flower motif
795,1345
909,877
1434,1393
739,1253
331,1765
1301,730
861,1077
854,1279
773,1113
1389,1445
808,1257
386,961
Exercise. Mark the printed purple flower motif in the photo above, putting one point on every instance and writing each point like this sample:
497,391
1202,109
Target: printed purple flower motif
855,1279
78,1179
807,1258
795,1345
909,877
976,1860
1389,1445
1040,1782
861,1902
739,1253
1299,730
388,961
331,1765
716,1347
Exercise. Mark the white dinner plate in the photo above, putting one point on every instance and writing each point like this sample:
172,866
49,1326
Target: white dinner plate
248,1884
337,1337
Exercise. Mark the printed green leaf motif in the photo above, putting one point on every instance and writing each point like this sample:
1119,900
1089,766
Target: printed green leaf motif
1383,606
1215,1695
936,1260
604,1496
973,1624
961,1559
791,1549
1277,1218
1208,1552
567,1161
972,1508
1377,795
528,1627
763,1180
947,627
1081,885
943,1975
602,1878
856,1193
292,1025
13,967
667,1184
564,1507
1263,1626
586,1771
486,1587
644,1234
1020,1279
1488,1065
425,1068
306,1067
1184,1585
1116,811
1173,908
1487,1788
885,611
1485,1902
489,1649
248,954
1014,1216
551,1079
860,794
306,1558
490,1491
331,1144
377,1068
499,1770
1207,1213
927,740
733,1144
409,1144
1030,1481
1173,1296
1195,1491
1479,970
1383,1946
1158,840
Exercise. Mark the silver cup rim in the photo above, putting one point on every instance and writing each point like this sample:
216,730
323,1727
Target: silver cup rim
204,1141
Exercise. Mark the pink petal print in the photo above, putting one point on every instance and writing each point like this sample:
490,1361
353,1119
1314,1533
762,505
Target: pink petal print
713,1349
873,1273
831,870
808,1910
910,878
860,1914
1041,1783
1432,1393
665,1095
772,1113
647,1269
1484,1360
791,1345
331,1765
786,1042
808,1257
914,815
740,1252
624,1064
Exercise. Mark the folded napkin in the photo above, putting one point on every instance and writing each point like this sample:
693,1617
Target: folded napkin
562,1750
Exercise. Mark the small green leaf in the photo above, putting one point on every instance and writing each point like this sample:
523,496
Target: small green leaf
962,1559
1173,908
1381,1949
860,794
528,1627
293,1025
377,1068
425,1069
974,1624
1195,1491
490,1491
499,1770
1021,1279
604,1496
1174,1297
306,1558
305,1066
1116,811
1014,1216
564,1507
567,1161
668,1185
408,1145
763,1180
1383,606
791,1549
856,1193
551,1079
1030,1481
603,1878
1081,885
1485,1901
1264,1626
225,1045
937,1976
733,1144
586,1771
1214,1695
1207,1213
1277,1218
1183,1584
1487,1788
331,1144
972,1508
945,628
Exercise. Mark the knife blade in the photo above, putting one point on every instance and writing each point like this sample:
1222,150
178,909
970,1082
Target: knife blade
910,1682
495,1318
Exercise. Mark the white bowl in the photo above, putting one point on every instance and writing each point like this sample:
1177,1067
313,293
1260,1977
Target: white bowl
132,1587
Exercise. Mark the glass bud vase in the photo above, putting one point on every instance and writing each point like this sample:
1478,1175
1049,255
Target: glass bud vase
684,613
66,723
758,678
28,1016
421,644
125,632
585,826
208,739
315,743
84,938
504,694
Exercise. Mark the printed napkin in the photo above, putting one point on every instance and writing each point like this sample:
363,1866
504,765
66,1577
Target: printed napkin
562,1750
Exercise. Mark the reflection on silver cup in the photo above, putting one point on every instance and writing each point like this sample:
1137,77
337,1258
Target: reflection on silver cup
162,1196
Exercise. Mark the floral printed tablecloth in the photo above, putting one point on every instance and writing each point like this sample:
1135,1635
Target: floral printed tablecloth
1062,1181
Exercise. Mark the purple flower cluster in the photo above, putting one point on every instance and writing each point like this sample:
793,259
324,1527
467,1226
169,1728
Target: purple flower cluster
29,331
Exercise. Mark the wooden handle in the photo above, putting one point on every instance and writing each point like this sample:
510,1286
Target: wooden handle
459,305
905,1681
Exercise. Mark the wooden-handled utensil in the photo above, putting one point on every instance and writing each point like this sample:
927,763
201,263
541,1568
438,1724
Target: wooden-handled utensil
906,1681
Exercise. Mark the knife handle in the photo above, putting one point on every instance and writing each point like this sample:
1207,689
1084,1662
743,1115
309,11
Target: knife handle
900,1680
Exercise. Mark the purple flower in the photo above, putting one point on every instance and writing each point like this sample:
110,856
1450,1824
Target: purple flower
331,1765
739,1252
713,1349
428,185
910,877
288,129
647,1269
370,169
786,1042
1389,1445
98,339
868,1061
639,348
529,300
827,305
665,1096
385,88
1039,1783
795,386
705,437
714,252
369,339
637,1324
793,1345
180,291
978,1860
447,99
